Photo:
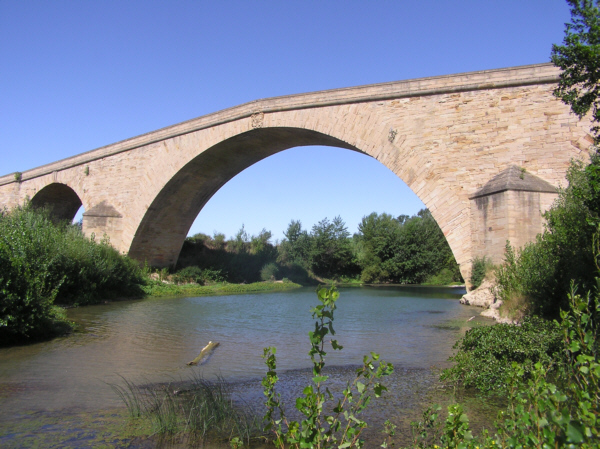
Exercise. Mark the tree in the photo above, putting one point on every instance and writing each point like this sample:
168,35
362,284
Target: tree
421,250
239,243
579,59
296,245
331,249
404,249
375,243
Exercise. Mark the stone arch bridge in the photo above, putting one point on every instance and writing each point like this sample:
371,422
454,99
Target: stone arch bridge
484,151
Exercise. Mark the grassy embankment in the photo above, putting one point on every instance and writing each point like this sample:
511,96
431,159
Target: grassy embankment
158,288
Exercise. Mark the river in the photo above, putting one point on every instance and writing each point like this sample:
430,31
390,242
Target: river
152,340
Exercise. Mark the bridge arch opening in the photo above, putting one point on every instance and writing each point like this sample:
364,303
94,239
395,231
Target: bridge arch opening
62,201
165,225
307,184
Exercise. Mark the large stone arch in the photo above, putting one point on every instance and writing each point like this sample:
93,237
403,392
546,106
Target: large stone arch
167,221
62,201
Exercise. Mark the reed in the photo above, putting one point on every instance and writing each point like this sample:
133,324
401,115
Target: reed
132,396
196,410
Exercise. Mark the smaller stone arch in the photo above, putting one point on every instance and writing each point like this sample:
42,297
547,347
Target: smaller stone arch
62,201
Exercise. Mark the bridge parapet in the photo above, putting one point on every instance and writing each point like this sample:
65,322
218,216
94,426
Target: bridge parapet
535,74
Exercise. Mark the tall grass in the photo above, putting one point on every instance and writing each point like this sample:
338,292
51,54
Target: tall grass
196,410
131,395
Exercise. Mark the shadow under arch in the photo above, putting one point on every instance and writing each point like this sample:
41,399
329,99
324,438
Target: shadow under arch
62,201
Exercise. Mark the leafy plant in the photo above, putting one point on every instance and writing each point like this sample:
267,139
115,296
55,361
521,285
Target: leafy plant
485,353
44,262
540,414
478,271
579,59
269,272
198,275
541,272
319,428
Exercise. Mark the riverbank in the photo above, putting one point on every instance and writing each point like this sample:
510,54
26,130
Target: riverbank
161,289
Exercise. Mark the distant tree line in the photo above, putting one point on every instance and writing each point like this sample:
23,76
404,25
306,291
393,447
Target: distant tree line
386,249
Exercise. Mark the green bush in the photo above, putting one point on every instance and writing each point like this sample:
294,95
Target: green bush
198,275
485,353
478,271
269,272
92,271
210,275
26,291
43,263
540,414
296,273
444,277
189,274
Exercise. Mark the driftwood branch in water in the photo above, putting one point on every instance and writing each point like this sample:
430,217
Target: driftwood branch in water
206,351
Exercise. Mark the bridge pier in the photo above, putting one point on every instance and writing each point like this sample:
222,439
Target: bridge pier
508,208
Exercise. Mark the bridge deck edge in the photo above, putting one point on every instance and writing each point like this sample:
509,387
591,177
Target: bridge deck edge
534,74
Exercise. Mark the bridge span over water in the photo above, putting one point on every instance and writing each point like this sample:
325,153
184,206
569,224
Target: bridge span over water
484,151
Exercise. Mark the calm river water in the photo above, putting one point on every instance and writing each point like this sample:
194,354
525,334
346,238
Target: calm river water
152,340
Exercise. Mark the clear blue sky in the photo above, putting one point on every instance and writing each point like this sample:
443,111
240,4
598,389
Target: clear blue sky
76,75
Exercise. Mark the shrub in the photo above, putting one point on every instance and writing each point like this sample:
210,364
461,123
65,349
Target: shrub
540,414
211,275
296,273
444,277
45,263
269,272
189,274
485,353
198,275
27,292
478,271
92,272
373,274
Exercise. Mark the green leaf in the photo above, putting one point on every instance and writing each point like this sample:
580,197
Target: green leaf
575,432
336,345
379,389
319,379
